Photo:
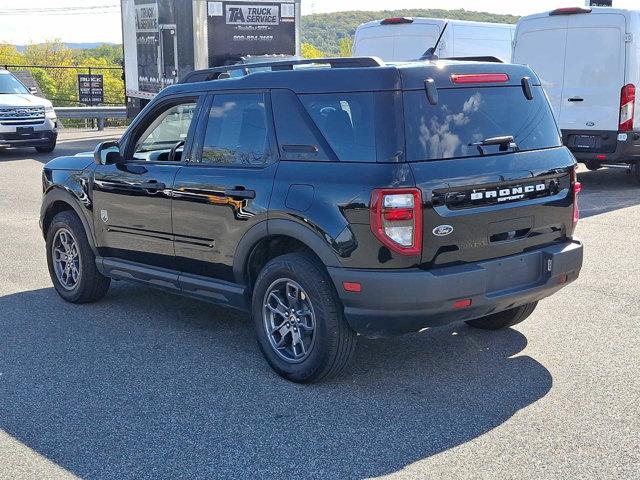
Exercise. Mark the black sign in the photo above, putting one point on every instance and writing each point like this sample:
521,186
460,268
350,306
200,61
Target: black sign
91,89
237,28
601,3
147,45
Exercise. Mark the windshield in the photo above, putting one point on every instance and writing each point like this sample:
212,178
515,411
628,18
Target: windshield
465,117
9,85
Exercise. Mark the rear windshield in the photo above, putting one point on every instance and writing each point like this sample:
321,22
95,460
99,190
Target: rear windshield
359,126
464,117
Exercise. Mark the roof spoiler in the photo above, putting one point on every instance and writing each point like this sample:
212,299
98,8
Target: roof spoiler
223,72
476,59
570,11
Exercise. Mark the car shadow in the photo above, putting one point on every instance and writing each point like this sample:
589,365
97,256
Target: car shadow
149,385
607,190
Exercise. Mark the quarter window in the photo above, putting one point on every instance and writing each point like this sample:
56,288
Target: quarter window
236,130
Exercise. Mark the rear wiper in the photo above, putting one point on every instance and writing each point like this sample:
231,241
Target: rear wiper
505,142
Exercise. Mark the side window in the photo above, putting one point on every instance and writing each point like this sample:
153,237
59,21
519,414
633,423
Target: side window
169,129
237,130
296,132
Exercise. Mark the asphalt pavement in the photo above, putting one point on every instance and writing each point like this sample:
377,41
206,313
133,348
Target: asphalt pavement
145,384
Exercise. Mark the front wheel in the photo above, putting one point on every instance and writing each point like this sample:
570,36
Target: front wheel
505,319
50,147
71,261
298,318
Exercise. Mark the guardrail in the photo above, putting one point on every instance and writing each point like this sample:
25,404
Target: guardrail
99,113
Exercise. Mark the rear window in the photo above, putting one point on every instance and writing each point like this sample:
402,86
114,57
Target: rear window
360,126
463,117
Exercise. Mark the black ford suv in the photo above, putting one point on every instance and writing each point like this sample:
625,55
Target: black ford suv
329,198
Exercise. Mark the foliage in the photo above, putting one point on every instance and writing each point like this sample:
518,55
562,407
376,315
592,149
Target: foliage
309,51
60,85
325,31
345,46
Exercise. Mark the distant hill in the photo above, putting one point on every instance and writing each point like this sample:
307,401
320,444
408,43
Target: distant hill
74,46
324,30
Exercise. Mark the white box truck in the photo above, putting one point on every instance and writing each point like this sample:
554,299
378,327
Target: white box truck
166,39
588,60
399,39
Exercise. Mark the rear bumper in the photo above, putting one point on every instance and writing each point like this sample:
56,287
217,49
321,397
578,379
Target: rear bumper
616,149
400,301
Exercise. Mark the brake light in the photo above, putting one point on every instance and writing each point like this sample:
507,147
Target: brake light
396,219
396,20
479,78
577,187
627,107
570,11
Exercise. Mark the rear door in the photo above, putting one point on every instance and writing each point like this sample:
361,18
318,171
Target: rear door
225,189
541,43
397,42
594,73
479,40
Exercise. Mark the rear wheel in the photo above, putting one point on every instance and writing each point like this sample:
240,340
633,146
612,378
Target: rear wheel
298,319
505,319
71,261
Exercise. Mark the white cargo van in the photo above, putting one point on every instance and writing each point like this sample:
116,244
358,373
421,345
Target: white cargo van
589,62
406,38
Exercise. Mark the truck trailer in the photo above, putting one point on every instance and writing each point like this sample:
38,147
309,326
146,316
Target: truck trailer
166,39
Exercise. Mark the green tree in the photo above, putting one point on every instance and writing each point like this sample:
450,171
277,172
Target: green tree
309,51
9,55
46,83
345,46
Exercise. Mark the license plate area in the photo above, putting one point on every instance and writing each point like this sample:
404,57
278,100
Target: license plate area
514,272
25,131
585,141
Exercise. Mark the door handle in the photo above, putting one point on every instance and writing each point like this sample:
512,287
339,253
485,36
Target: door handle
153,186
576,99
240,192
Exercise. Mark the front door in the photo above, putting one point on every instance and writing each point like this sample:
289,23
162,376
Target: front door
226,188
132,198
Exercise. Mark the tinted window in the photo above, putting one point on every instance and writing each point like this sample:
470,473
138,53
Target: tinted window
363,126
236,130
465,116
298,138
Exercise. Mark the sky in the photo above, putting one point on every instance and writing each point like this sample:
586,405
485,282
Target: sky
26,21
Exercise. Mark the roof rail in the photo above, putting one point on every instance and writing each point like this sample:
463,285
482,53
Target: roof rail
339,62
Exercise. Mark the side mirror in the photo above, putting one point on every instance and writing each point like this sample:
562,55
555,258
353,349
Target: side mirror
33,90
107,153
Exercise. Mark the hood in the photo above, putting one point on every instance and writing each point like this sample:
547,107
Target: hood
22,100
77,162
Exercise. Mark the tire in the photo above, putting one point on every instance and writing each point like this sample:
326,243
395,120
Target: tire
505,319
593,166
47,148
328,346
635,171
89,284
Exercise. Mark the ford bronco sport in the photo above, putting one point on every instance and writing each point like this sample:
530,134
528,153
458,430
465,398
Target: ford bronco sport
329,198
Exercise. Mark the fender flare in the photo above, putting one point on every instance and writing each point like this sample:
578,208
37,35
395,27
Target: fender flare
285,227
59,194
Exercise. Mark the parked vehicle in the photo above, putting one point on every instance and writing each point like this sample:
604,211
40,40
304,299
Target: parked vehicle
588,60
25,119
406,38
164,40
290,194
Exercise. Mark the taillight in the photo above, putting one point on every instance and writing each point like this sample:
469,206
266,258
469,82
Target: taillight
570,11
479,78
576,186
627,107
396,219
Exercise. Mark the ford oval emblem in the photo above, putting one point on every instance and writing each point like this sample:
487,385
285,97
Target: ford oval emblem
443,230
591,124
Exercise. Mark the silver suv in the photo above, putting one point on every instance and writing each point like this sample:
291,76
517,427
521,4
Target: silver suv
25,119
